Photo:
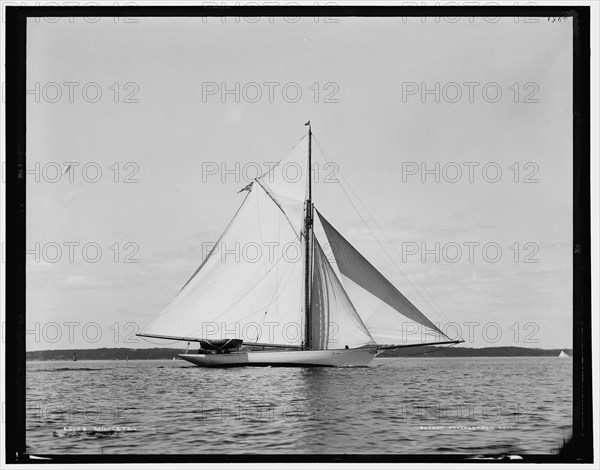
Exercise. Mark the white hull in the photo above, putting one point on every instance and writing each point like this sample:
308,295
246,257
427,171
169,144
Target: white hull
326,358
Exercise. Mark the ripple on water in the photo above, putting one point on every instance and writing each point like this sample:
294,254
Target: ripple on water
407,406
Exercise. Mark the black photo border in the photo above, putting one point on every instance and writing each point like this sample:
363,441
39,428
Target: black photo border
578,449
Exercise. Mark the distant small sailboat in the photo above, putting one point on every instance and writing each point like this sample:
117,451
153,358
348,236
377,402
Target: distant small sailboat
563,354
309,310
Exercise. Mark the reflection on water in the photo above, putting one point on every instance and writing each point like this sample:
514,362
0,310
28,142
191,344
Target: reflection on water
398,406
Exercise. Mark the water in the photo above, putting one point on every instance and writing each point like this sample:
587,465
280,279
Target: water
397,406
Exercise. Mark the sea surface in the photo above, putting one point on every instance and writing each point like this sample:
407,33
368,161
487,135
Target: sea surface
476,406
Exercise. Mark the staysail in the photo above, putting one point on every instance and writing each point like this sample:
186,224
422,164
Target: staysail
388,315
335,322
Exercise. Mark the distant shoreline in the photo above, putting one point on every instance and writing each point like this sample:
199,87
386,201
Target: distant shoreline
169,353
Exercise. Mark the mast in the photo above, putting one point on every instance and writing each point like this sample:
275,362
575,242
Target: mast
308,222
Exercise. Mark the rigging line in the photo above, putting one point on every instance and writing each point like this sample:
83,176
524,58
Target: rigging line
299,235
380,244
392,359
386,236
268,192
383,248
218,241
438,310
260,325
432,350
265,186
247,292
260,232
272,300
277,283
286,155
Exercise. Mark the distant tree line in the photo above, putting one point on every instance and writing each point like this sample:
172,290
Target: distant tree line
500,351
169,353
102,354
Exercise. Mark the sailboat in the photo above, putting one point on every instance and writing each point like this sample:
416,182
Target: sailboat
283,287
563,354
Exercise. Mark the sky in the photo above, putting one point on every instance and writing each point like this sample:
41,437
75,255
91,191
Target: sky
151,112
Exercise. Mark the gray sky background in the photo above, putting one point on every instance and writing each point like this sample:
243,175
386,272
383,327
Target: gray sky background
369,132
